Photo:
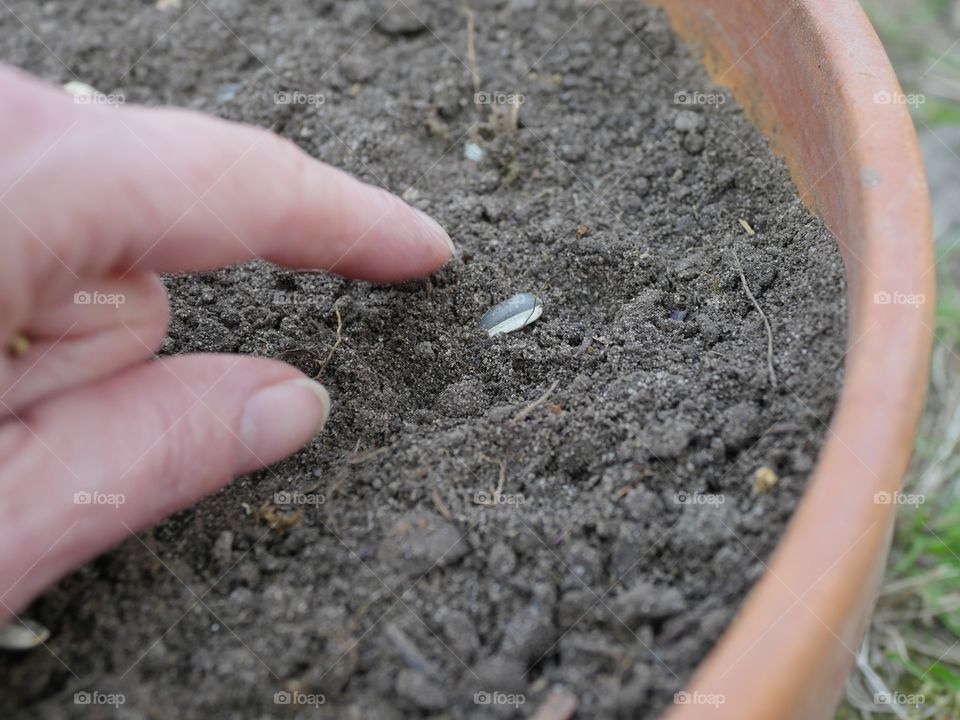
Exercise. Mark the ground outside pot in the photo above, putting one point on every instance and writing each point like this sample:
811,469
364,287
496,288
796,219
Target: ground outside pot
814,77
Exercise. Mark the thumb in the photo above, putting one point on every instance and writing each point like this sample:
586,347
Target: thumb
112,458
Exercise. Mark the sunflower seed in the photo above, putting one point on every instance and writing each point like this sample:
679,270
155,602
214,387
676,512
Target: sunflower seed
513,314
22,635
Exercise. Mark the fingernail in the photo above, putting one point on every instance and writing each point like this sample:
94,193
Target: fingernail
435,229
281,418
321,394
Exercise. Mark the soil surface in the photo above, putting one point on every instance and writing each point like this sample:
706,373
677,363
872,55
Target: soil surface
376,568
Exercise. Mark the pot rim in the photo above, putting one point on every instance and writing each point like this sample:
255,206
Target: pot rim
814,77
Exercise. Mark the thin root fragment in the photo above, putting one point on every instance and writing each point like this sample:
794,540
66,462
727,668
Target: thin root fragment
472,47
766,320
536,403
441,505
328,506
279,521
359,458
336,344
498,492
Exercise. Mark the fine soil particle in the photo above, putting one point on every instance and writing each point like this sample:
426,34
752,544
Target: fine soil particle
398,584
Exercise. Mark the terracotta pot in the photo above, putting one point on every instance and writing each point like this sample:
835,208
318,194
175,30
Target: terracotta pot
814,77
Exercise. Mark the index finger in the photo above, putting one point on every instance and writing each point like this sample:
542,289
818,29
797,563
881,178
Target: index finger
169,190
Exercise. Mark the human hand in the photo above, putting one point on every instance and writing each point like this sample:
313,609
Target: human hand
94,201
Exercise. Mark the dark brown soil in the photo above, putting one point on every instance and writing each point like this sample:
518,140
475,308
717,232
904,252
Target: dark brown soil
397,594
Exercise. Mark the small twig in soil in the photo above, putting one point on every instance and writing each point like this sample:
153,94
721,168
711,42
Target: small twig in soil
336,344
367,456
313,488
766,320
561,536
280,522
747,227
409,652
441,506
328,506
472,50
536,403
512,171
495,499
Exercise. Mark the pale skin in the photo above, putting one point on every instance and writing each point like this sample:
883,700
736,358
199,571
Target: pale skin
98,200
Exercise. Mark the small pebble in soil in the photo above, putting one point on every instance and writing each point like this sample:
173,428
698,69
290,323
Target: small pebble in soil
517,312
764,479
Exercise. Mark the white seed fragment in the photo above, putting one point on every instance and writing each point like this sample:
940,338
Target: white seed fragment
80,89
513,314
22,635
472,151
